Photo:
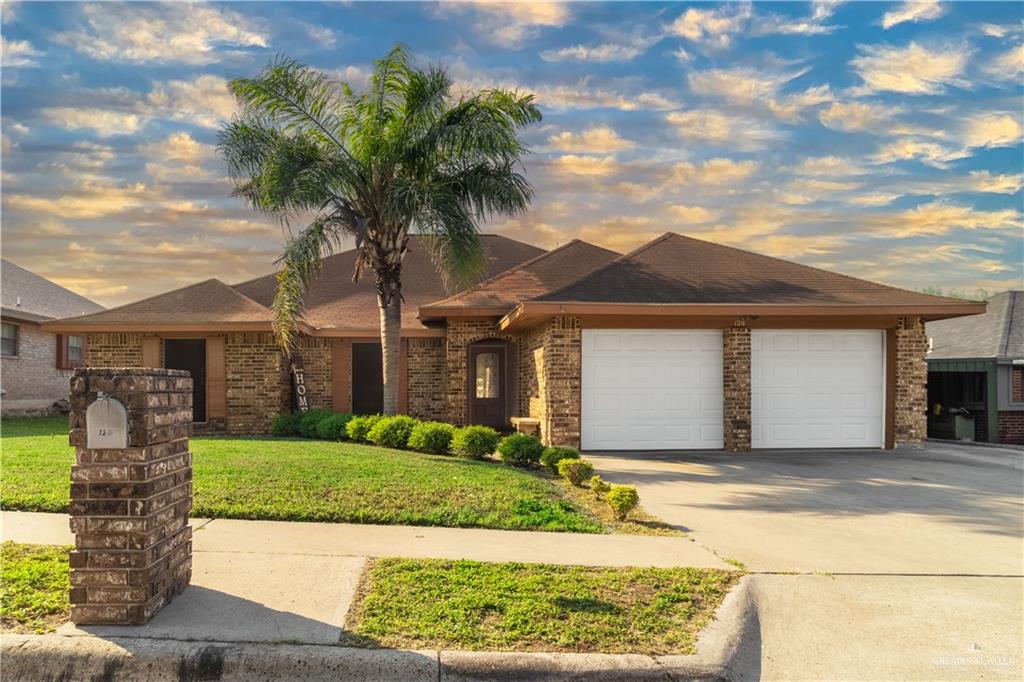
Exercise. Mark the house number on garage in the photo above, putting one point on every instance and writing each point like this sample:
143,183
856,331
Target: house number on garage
106,424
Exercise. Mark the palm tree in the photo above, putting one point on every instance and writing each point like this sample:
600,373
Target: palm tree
405,155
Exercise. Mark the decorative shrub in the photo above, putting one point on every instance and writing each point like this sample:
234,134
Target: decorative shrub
392,432
308,421
286,424
333,427
598,486
520,450
432,437
575,470
622,499
358,427
475,442
555,454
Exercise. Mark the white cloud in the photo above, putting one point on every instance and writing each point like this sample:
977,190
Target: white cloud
320,34
913,70
927,152
178,157
985,181
997,129
189,33
718,171
605,52
89,199
746,134
713,27
593,140
583,95
827,166
915,11
104,122
691,215
751,88
592,166
815,24
851,116
204,101
1007,66
811,190
938,218
14,53
873,199
510,24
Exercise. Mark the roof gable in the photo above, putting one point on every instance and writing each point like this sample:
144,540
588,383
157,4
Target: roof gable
208,302
29,296
674,269
552,269
998,333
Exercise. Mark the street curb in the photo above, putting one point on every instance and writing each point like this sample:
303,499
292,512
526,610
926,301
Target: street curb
727,649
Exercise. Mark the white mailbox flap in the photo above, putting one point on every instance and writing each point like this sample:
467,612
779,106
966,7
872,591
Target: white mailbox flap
106,424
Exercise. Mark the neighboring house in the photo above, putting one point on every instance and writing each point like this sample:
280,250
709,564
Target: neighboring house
37,363
681,344
978,364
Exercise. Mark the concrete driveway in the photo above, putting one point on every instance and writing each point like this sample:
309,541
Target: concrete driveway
934,509
899,565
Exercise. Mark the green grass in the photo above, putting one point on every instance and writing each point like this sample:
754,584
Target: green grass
34,587
418,603
306,480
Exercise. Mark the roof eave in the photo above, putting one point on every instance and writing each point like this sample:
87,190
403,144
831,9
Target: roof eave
432,313
529,312
62,326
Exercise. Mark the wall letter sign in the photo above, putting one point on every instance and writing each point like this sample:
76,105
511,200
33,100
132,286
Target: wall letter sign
299,385
106,424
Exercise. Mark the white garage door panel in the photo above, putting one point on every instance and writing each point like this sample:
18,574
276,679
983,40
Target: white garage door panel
651,389
817,389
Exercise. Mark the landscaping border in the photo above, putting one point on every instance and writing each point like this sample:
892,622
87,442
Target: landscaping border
729,648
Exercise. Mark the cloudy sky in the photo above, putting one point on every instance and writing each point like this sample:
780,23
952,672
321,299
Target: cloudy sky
879,139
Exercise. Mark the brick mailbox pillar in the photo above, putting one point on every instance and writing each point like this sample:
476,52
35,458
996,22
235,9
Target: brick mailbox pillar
130,504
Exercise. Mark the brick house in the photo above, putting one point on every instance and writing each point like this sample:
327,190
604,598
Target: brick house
36,364
680,344
977,363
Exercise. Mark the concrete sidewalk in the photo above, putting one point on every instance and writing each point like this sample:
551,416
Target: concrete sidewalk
361,540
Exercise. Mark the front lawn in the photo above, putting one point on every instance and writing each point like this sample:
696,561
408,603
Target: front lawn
422,603
34,585
304,480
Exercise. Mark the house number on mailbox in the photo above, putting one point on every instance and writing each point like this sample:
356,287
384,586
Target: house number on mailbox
106,424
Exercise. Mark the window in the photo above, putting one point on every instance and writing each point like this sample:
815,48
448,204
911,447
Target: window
487,375
70,351
10,339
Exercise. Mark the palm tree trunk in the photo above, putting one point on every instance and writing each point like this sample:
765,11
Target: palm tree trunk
390,305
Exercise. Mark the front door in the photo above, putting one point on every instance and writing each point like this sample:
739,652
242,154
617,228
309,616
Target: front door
367,378
190,355
490,389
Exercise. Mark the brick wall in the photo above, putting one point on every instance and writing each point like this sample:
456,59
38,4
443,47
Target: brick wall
31,380
531,373
562,368
736,388
425,380
911,404
461,333
257,381
114,349
1017,384
1011,427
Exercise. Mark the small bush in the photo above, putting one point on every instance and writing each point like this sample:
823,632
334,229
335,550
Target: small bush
475,442
432,437
392,432
309,421
575,470
598,486
622,499
358,427
520,450
286,424
333,427
555,454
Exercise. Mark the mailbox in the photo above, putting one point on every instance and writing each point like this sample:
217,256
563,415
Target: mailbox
106,424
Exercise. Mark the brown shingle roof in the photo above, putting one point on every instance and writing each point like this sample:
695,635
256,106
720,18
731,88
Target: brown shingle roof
536,276
206,302
674,269
998,333
27,296
333,301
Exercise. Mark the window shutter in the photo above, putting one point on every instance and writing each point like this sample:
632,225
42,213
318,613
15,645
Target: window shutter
62,351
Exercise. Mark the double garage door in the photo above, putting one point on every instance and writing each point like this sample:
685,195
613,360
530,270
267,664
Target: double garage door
662,389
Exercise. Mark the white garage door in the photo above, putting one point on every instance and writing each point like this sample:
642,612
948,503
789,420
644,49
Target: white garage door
813,389
651,389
